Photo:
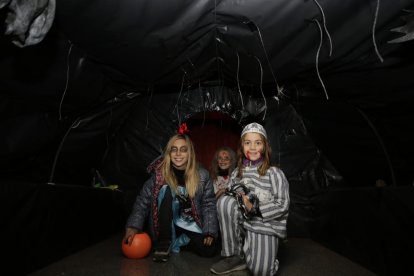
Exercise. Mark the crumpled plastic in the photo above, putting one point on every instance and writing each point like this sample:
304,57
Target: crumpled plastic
28,21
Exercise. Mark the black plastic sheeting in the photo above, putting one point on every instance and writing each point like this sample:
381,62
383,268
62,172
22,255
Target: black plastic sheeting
202,40
153,119
371,226
43,223
98,51
102,50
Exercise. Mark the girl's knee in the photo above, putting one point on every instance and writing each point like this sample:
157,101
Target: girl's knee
225,204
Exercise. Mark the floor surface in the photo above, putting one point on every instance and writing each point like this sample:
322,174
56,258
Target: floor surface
297,257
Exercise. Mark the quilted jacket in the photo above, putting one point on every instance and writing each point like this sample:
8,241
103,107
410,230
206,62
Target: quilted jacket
204,211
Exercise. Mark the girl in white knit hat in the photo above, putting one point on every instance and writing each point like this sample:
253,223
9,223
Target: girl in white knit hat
253,212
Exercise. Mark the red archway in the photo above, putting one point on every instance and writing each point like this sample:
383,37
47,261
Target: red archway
211,130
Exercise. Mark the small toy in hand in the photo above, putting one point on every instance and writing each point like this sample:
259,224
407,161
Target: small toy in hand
237,191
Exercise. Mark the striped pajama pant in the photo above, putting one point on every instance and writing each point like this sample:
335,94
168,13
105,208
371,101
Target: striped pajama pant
259,250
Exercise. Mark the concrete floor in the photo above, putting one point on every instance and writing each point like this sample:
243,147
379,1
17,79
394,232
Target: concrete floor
297,257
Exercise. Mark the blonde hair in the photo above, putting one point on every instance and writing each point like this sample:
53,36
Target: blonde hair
214,163
267,151
191,175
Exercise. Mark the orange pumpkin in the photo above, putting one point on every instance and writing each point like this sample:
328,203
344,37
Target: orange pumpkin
139,248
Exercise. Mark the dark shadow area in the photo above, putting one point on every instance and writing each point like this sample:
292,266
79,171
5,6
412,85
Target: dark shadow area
371,226
44,223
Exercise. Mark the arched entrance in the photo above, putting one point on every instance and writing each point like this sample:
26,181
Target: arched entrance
211,130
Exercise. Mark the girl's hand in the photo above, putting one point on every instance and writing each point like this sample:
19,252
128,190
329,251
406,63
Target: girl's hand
220,193
208,240
247,202
129,235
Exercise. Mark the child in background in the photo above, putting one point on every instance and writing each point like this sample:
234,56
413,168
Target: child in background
222,165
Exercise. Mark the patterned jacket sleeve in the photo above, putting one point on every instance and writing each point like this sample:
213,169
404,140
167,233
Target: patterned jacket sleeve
208,205
142,206
278,207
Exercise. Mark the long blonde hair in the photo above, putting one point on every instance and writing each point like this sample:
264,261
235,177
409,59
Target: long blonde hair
267,151
191,175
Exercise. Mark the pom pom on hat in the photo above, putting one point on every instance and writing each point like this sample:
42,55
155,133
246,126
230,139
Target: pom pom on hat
254,128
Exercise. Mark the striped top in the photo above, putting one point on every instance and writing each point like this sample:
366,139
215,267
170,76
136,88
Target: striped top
272,190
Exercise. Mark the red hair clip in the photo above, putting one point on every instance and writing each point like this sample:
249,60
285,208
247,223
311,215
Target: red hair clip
183,129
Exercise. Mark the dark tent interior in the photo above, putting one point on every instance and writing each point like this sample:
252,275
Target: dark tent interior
92,90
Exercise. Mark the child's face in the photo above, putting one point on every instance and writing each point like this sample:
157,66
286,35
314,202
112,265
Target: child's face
179,154
253,146
223,160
